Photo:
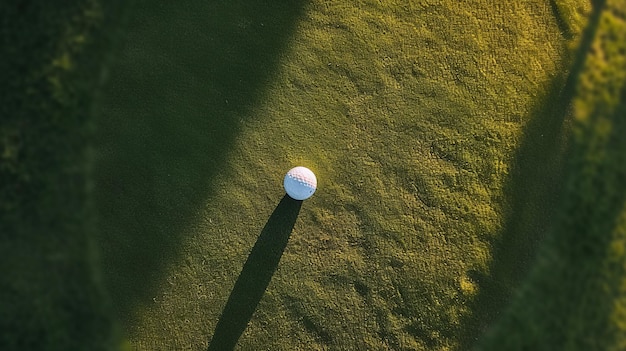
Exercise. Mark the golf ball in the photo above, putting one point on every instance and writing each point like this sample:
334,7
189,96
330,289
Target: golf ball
300,183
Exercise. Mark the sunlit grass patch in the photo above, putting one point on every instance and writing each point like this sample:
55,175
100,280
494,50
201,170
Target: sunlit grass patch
409,114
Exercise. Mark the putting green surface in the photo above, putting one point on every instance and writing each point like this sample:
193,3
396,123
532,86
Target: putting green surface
440,135
410,115
469,158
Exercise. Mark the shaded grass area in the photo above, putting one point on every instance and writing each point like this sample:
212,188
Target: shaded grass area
410,113
574,296
50,296
255,275
176,95
408,110
532,191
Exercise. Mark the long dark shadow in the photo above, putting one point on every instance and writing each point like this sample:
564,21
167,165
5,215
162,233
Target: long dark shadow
532,191
255,275
184,79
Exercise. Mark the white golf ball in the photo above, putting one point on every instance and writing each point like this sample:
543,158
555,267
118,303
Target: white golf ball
300,183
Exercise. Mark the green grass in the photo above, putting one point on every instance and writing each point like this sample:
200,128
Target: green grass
410,124
50,296
173,104
574,297
470,169
255,275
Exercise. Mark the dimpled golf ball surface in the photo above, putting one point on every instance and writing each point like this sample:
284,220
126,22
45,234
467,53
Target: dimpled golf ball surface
300,183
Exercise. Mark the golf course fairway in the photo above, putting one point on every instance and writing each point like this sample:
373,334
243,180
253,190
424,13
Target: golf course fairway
470,161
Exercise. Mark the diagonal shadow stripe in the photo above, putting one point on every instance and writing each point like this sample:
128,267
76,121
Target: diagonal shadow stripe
255,275
177,90
533,193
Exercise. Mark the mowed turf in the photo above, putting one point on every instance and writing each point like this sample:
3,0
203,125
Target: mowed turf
50,294
437,132
574,298
175,96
